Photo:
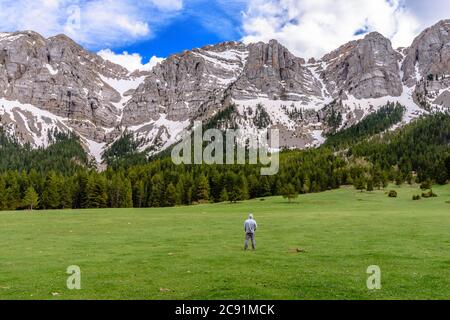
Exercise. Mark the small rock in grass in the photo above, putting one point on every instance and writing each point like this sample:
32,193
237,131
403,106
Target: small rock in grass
297,250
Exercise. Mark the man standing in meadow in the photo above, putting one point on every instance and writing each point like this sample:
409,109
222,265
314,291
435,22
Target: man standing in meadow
250,227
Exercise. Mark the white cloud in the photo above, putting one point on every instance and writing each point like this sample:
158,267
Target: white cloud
311,28
93,23
306,27
132,61
168,4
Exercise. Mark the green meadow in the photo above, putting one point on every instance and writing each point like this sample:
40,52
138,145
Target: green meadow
197,252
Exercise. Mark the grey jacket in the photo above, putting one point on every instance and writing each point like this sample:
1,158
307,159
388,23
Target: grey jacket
250,226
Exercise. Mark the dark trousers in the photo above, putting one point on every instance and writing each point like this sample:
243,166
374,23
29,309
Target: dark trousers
248,237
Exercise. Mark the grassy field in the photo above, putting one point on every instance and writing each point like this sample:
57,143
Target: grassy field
197,252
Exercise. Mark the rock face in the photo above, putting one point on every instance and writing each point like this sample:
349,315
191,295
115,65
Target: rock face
59,76
187,83
273,72
195,85
426,67
48,84
429,54
368,68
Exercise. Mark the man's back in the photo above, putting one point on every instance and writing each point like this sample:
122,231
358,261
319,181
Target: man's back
250,226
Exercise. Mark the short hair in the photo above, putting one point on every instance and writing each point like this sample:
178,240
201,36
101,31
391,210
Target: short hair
250,216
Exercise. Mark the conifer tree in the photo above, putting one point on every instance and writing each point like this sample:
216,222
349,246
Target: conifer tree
370,185
289,192
224,195
66,191
157,193
203,189
31,199
171,196
264,186
215,185
13,196
360,183
80,196
3,200
97,196
127,192
179,192
138,194
51,196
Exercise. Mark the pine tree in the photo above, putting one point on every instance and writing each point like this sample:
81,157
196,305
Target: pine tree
171,195
51,195
441,174
253,186
96,191
3,200
224,195
264,187
138,194
232,186
66,192
80,196
127,191
360,183
289,192
31,199
203,189
384,180
157,193
13,196
215,185
114,189
179,192
307,185
243,188
370,185
377,177
399,179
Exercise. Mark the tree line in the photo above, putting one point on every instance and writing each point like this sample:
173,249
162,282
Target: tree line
417,152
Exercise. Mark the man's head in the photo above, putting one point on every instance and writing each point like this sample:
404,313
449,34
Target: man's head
250,216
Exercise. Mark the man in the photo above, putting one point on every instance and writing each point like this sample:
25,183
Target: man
250,227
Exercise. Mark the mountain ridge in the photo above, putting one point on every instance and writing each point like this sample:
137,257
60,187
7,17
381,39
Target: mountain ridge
55,83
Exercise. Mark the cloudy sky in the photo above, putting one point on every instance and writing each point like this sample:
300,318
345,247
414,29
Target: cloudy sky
135,33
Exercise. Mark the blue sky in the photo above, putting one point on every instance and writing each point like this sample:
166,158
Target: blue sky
187,30
133,32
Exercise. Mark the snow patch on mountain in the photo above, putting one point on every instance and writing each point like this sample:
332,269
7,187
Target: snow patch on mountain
95,149
368,106
162,132
50,69
34,125
30,123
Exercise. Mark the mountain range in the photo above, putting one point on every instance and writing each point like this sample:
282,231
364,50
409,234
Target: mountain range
54,84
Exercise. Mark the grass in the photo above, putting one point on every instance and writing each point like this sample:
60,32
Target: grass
196,252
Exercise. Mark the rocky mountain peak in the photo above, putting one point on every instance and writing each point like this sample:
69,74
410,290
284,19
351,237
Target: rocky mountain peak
427,67
57,76
366,68
429,54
